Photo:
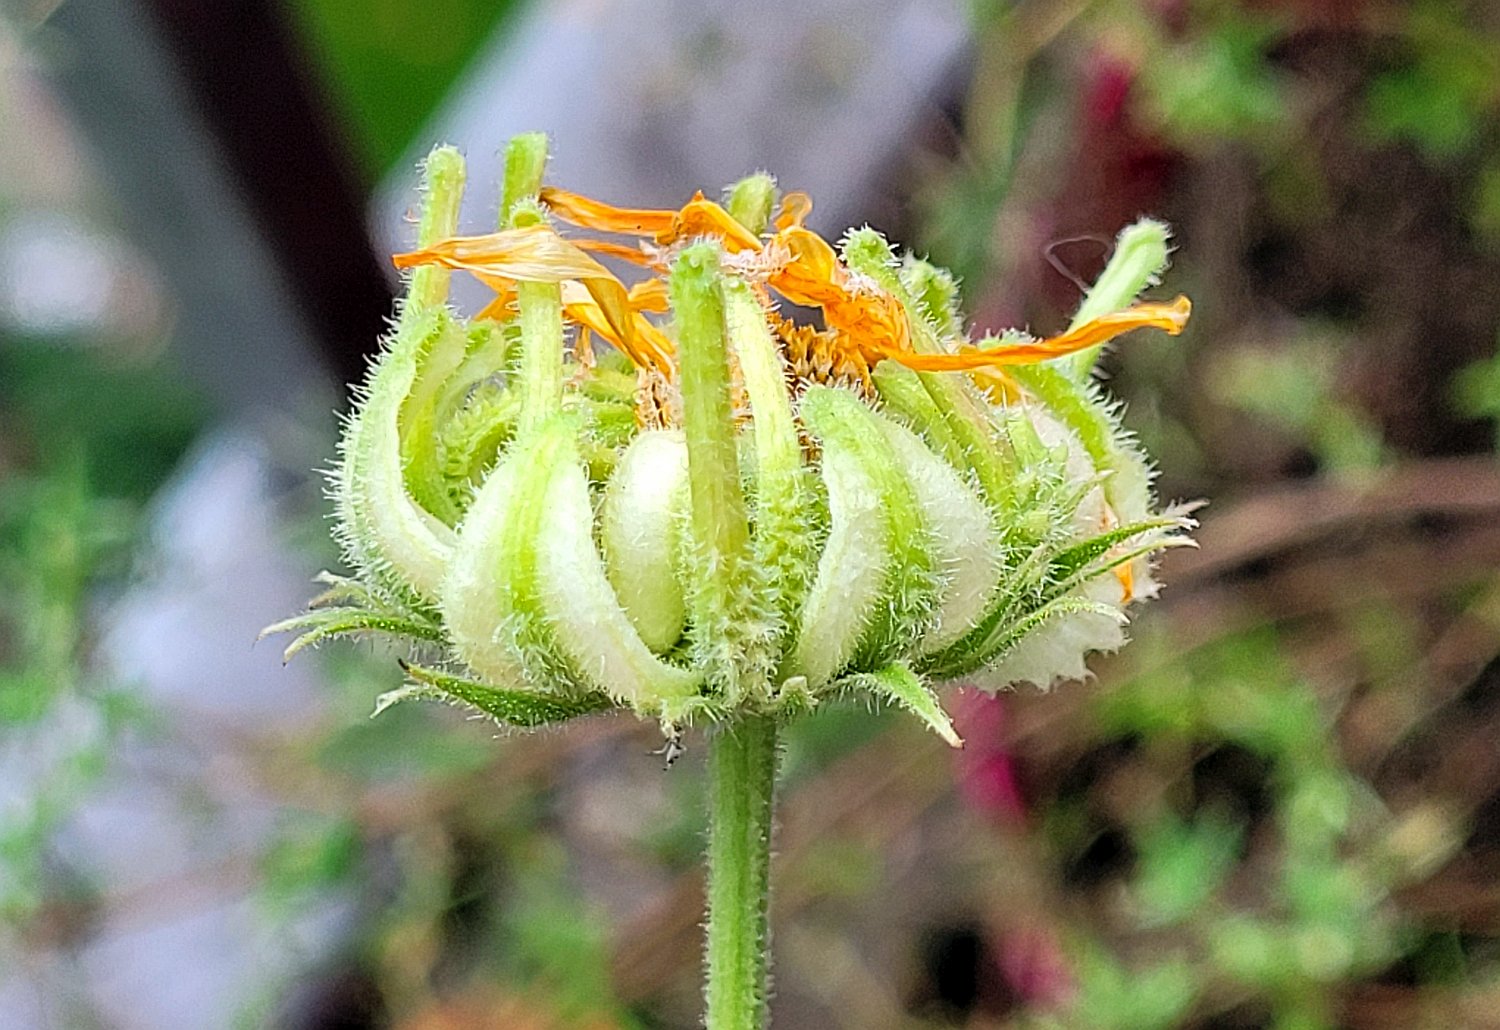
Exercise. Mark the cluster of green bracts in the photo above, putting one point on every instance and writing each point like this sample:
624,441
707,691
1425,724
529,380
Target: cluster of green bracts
781,542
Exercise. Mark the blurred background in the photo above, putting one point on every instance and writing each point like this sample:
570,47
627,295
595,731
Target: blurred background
1279,808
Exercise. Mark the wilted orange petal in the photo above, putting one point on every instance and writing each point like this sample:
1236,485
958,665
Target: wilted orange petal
650,295
811,275
531,254
624,251
999,384
500,309
645,345
700,217
1169,317
592,214
795,207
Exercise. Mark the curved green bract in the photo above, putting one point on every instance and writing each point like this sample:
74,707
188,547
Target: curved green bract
528,598
786,527
644,504
898,684
400,545
966,548
725,637
418,420
877,580
1095,420
523,709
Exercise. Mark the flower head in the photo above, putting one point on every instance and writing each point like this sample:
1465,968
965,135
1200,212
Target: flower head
734,508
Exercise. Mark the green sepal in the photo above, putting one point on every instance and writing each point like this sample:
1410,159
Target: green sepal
935,291
443,176
903,395
326,623
750,200
525,163
421,417
1080,556
725,638
957,403
896,682
521,708
1008,634
966,548
1094,421
640,518
786,524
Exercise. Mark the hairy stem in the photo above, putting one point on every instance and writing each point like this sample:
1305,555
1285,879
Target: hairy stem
442,189
742,777
540,303
1140,257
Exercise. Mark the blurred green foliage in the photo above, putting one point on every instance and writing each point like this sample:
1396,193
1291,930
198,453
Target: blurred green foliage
86,441
390,63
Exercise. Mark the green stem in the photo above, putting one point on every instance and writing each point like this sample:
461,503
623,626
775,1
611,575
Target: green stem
541,352
525,162
721,589
1140,257
443,187
541,371
742,777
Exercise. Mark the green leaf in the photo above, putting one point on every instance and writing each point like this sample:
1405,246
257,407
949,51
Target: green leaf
1008,633
325,623
896,682
1081,555
1183,864
523,708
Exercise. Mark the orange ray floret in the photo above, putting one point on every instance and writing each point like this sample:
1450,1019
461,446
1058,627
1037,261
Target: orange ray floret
795,207
802,267
533,253
1169,317
864,317
650,295
810,274
698,217
647,346
623,251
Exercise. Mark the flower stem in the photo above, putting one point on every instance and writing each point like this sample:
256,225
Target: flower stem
742,778
1140,257
540,304
442,189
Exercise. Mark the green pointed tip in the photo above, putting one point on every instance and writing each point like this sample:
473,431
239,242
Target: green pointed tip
936,292
899,685
541,322
696,271
442,191
1140,257
750,200
867,252
707,415
442,188
525,162
719,521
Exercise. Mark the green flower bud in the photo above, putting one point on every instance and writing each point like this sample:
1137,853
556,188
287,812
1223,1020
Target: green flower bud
734,515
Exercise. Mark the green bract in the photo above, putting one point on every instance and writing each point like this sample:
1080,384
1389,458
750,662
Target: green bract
732,515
